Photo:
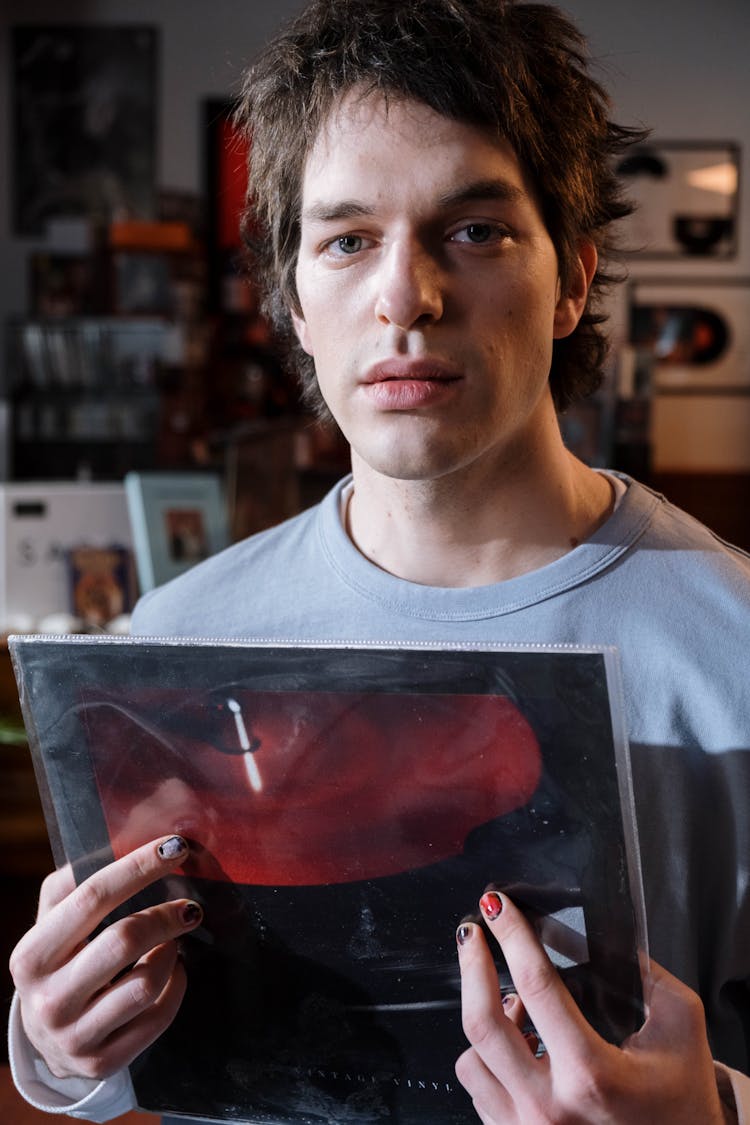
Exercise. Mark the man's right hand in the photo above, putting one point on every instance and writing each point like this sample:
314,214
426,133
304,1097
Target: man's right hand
89,1007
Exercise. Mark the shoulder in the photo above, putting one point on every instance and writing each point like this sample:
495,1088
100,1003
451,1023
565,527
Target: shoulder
686,595
674,540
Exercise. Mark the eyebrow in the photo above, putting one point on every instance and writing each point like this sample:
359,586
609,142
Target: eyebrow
501,190
331,212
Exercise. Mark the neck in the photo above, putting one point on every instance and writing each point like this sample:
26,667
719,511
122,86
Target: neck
477,526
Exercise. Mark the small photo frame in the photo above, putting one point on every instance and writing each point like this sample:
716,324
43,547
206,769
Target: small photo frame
102,583
686,196
692,335
177,520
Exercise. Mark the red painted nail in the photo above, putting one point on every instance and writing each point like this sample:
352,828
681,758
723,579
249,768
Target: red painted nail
491,904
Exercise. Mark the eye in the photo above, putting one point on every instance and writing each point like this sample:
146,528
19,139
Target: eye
342,246
479,233
348,244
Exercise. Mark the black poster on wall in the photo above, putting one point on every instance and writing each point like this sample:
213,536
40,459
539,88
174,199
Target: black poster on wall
85,103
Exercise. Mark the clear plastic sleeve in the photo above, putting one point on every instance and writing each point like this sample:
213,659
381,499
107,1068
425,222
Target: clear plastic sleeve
346,808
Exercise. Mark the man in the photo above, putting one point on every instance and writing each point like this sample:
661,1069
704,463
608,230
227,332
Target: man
433,195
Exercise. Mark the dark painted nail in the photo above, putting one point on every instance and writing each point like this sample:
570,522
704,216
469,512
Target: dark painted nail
464,932
491,904
172,848
192,914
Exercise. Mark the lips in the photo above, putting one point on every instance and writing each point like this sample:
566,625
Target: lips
411,370
410,384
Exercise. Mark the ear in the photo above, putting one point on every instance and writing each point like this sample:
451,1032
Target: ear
571,303
301,330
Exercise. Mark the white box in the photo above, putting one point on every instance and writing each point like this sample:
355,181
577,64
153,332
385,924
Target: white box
39,522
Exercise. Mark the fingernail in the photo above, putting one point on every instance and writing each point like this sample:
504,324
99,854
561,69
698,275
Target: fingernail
491,904
509,1000
464,932
172,847
192,914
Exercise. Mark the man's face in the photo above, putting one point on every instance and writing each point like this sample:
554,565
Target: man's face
429,292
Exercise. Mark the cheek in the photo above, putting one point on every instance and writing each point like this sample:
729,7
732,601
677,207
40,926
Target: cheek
321,315
330,357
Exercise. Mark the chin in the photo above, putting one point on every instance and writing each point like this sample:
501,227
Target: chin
410,470
400,454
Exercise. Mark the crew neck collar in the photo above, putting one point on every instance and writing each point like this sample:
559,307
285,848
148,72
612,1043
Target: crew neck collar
632,514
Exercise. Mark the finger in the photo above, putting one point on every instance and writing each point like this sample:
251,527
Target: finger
73,919
118,947
127,1042
55,888
497,1040
550,1006
491,1100
516,1013
532,1041
117,1006
514,1010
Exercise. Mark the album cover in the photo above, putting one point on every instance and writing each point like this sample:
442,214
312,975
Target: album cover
346,807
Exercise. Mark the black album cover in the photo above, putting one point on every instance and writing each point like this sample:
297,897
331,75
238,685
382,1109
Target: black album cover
346,808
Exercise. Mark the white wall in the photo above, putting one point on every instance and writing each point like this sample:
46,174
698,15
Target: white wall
679,66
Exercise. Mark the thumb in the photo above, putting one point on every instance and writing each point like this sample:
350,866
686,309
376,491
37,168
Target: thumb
674,1013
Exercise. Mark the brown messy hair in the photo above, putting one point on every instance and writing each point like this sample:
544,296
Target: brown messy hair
518,71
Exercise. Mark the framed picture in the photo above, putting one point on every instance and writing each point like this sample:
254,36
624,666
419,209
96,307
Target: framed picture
691,335
102,583
687,199
85,114
177,520
346,807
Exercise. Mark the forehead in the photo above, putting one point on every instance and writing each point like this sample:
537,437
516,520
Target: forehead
371,137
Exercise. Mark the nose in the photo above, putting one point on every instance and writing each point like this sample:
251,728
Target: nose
410,287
